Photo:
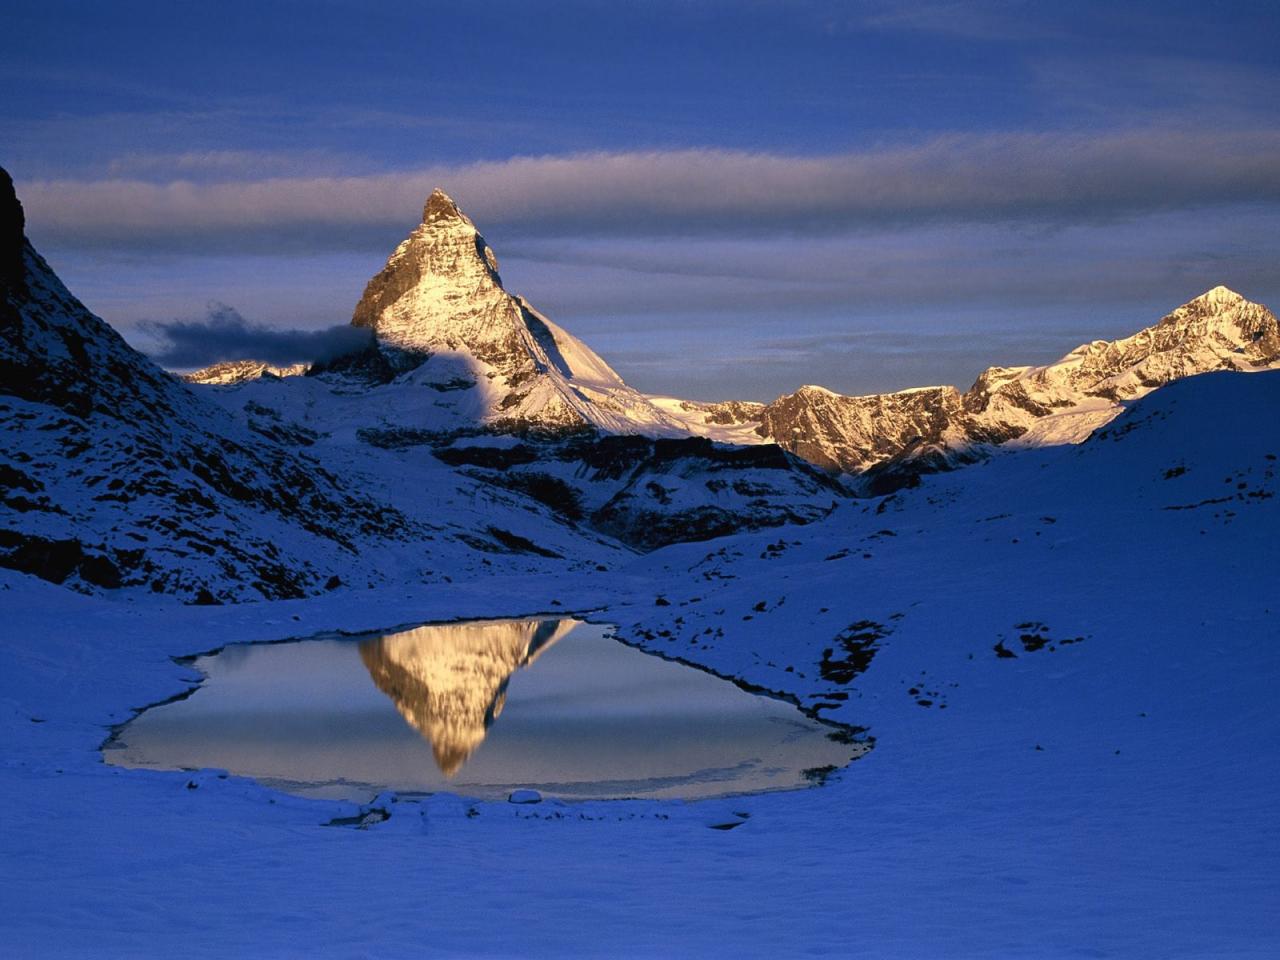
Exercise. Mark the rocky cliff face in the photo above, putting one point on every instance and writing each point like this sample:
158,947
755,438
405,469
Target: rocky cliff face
848,434
440,290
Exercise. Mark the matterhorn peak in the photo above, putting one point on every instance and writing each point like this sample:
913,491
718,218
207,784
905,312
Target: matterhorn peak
440,294
440,289
441,206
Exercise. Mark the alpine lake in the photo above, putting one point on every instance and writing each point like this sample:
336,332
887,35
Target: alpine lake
481,709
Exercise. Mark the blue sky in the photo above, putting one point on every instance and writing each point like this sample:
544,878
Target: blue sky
725,199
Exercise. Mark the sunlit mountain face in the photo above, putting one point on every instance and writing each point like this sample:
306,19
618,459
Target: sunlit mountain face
450,682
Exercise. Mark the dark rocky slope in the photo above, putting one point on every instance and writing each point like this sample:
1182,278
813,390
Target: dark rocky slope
113,474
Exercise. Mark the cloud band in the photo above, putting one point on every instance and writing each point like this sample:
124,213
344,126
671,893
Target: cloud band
1055,178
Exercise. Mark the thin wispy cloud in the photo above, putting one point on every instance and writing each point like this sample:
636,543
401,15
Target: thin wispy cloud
222,164
964,19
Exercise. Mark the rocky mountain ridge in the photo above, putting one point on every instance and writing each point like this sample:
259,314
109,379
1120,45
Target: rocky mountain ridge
114,474
229,372
894,436
443,319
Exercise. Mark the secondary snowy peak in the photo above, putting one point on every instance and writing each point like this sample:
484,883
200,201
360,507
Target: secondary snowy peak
1062,402
1218,330
440,294
849,434
241,371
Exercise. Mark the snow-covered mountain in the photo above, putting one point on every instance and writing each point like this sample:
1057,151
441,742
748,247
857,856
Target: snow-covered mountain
238,371
897,435
1065,401
252,481
112,473
460,372
115,474
472,432
440,297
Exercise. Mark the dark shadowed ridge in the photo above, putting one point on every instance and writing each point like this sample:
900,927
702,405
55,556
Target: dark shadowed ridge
113,474
12,229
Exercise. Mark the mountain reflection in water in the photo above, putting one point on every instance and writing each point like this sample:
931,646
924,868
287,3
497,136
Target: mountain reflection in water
450,682
592,719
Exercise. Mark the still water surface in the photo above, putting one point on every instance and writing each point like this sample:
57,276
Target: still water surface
479,709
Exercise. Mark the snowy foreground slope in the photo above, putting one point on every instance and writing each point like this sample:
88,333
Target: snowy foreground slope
1067,658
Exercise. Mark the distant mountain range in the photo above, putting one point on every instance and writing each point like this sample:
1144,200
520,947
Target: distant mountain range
471,434
439,304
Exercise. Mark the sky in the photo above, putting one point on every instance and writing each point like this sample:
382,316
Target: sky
724,199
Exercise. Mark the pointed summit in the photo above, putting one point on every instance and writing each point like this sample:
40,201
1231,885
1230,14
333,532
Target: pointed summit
1218,296
440,294
440,206
1220,304
440,289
